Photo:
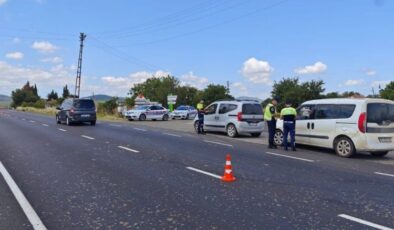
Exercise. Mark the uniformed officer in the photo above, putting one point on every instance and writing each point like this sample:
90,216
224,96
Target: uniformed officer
288,115
269,115
200,111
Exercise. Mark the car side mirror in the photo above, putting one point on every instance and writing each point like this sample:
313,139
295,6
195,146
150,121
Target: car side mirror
58,108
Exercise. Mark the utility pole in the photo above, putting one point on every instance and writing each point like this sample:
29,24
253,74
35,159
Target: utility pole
228,86
82,37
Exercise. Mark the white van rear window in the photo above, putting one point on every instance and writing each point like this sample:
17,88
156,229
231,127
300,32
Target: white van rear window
380,113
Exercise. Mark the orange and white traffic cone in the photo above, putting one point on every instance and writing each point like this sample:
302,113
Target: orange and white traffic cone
228,171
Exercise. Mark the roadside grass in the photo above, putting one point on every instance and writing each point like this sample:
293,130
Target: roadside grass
4,104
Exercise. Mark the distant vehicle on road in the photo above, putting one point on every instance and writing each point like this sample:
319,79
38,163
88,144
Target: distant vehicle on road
346,125
184,112
75,110
233,117
148,112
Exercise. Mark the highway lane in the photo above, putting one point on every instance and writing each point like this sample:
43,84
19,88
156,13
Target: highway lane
270,190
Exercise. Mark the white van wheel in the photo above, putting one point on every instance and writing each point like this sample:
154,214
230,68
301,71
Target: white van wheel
344,147
278,138
231,130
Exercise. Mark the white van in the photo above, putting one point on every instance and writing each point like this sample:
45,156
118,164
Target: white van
346,125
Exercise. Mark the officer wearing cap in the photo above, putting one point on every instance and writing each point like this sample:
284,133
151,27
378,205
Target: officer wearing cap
288,115
269,116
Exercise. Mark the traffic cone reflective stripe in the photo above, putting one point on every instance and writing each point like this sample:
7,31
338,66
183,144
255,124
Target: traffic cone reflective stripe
228,172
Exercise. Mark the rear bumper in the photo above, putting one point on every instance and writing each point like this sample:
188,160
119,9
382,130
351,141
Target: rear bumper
79,118
371,143
245,127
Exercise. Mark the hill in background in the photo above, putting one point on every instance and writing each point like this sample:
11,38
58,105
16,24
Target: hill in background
5,101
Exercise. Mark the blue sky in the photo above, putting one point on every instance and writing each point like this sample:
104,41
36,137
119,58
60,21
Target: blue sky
348,44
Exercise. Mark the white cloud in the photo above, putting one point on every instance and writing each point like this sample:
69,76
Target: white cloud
2,2
16,40
193,80
318,67
257,71
369,72
354,82
15,55
44,46
381,84
54,60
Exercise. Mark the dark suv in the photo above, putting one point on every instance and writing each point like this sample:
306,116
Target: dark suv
75,110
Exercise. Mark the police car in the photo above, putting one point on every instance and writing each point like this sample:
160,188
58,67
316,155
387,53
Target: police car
150,112
184,112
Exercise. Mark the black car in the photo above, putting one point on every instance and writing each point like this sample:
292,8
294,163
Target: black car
75,110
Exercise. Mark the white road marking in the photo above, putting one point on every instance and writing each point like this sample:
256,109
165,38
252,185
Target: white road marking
115,125
45,125
384,174
32,121
63,130
128,149
296,158
360,221
87,137
23,202
144,130
23,119
171,134
206,173
218,143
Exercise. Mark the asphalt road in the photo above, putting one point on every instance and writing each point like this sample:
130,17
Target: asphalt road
129,175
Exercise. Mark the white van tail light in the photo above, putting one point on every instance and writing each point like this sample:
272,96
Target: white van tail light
362,122
239,116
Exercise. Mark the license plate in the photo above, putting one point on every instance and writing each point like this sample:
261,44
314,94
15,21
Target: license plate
85,115
385,139
253,124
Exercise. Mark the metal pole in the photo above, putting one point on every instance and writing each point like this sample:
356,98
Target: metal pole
79,68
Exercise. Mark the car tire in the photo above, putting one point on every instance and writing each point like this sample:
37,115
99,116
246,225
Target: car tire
142,117
344,147
165,117
130,119
379,154
93,123
278,138
57,120
231,131
68,122
187,117
255,134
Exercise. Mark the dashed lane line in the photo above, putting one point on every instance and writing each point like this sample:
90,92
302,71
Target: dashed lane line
384,174
31,215
205,173
218,143
115,125
364,222
128,149
143,130
45,125
31,121
87,137
63,130
291,157
171,134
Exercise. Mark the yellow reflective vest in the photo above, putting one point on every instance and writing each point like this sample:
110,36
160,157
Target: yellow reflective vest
269,112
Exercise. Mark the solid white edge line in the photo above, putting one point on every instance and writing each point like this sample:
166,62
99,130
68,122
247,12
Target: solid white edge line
171,134
206,173
144,130
32,121
87,137
218,143
63,130
128,149
45,125
296,158
23,202
360,221
115,125
384,174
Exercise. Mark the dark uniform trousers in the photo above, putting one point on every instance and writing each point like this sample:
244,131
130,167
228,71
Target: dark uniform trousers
289,128
271,131
200,122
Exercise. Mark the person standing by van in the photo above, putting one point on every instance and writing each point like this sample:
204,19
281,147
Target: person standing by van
269,115
288,115
200,114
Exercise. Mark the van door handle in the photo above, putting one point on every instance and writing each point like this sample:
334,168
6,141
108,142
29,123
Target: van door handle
308,125
313,125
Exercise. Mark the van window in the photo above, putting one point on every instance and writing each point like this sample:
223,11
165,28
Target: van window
254,109
334,111
225,108
380,113
305,112
211,109
84,104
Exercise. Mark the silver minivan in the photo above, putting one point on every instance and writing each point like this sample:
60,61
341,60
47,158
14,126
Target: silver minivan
345,125
233,117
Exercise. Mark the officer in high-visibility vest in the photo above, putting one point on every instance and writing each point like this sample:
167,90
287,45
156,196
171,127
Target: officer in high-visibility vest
269,116
288,115
200,114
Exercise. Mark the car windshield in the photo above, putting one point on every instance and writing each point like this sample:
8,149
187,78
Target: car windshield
142,107
380,112
83,104
254,109
182,108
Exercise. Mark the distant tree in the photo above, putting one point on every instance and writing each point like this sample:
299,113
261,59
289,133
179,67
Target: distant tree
215,92
129,101
333,95
52,96
27,94
110,105
66,92
388,91
348,94
188,95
